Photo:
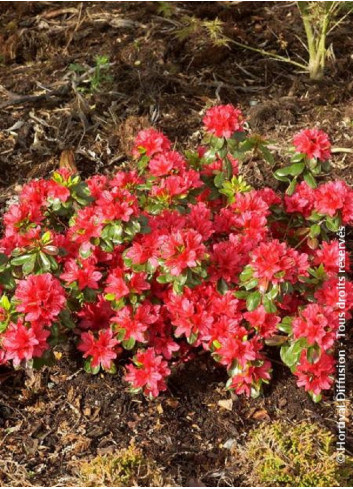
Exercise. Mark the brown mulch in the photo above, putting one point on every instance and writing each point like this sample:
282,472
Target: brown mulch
51,419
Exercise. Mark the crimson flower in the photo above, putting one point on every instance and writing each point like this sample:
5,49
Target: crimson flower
183,249
330,197
101,349
84,274
314,143
264,322
40,297
166,162
97,315
151,142
19,342
249,376
149,373
223,120
314,324
315,376
116,285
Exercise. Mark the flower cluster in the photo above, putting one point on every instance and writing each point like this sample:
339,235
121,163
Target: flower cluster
177,255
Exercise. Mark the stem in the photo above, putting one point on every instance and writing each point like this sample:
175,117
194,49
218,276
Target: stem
268,53
304,12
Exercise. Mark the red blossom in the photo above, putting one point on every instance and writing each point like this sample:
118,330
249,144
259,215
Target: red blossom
41,298
149,373
223,121
96,315
85,274
183,249
20,342
101,349
314,143
150,142
315,376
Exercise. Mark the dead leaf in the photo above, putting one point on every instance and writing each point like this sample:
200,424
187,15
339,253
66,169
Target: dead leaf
226,404
67,160
261,414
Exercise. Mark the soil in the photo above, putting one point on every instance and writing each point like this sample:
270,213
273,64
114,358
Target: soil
50,420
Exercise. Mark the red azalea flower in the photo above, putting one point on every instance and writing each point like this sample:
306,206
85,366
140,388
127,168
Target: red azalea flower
302,200
149,373
330,197
19,342
223,120
226,262
150,142
315,376
200,220
116,285
315,325
135,323
314,143
249,376
57,191
41,335
265,323
138,283
96,185
88,224
164,163
41,298
329,256
96,315
101,349
275,262
237,348
116,204
181,250
85,274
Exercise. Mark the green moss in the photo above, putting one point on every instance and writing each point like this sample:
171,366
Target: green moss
301,455
123,468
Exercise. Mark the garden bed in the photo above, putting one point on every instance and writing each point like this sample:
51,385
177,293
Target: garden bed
51,419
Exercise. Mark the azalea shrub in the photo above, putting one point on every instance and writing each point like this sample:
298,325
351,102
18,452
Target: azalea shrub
177,255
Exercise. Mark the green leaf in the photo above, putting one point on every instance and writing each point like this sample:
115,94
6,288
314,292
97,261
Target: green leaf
129,344
291,189
246,274
269,305
192,338
297,157
293,170
253,300
315,230
20,260
5,303
46,238
333,223
89,369
216,143
251,284
241,294
286,325
268,156
315,397
290,354
45,261
219,179
310,180
29,265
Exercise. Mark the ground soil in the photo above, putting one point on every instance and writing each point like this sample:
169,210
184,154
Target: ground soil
52,419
